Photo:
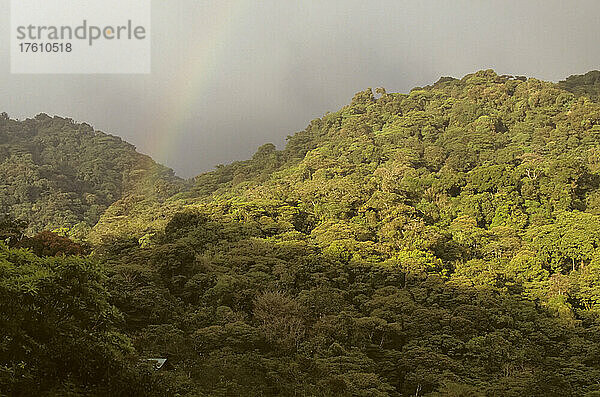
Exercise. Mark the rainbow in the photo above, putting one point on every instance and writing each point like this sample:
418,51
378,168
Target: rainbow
192,77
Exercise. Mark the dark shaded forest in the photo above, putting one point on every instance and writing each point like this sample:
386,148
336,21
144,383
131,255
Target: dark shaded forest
444,242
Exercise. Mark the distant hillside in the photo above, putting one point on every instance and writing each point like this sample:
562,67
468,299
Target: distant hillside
585,84
58,173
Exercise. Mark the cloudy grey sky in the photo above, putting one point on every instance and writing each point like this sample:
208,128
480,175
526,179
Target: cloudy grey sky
228,76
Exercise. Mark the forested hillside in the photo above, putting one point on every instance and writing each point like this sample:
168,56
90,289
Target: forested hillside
57,173
444,242
586,84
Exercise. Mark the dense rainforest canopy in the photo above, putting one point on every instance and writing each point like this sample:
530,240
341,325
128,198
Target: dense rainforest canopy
444,242
56,173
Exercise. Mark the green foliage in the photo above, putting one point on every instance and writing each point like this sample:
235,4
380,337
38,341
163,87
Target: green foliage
12,231
57,173
59,331
443,242
587,84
